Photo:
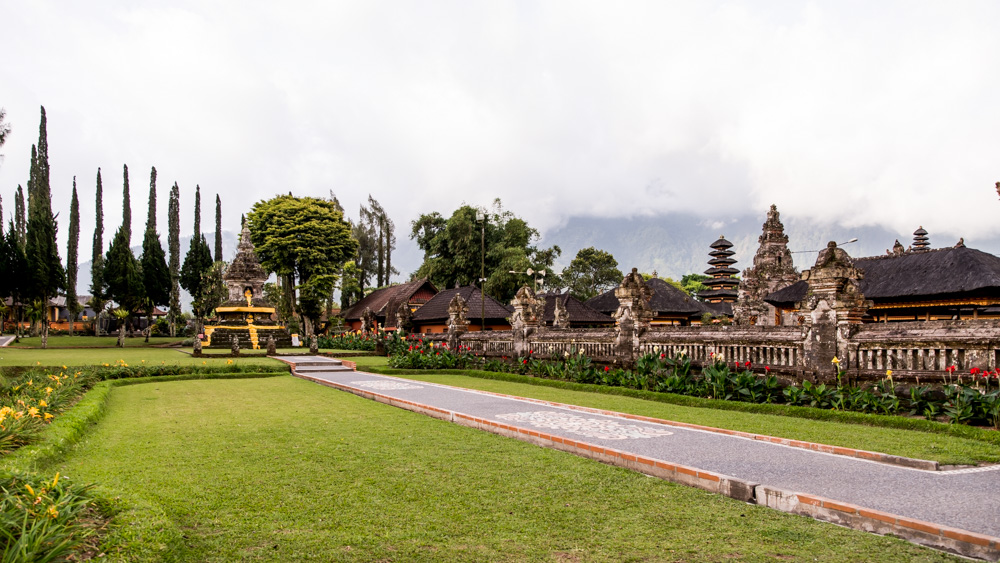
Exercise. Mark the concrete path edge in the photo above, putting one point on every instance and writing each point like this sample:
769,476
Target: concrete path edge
962,542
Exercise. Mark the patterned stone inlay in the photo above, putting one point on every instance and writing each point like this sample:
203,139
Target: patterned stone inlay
383,385
603,428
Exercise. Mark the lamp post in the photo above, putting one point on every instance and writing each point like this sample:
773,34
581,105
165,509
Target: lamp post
481,218
536,275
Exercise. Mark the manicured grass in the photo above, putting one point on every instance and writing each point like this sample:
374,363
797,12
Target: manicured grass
91,341
98,356
281,469
909,443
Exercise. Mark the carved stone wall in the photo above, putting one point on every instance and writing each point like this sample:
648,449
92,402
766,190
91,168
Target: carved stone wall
458,321
772,270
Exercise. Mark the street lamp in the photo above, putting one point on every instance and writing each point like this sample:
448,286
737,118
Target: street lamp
481,218
538,274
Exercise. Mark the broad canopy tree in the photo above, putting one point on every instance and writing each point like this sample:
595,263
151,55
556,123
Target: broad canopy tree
591,273
305,241
453,250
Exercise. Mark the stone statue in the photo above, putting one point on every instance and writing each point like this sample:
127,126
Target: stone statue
368,321
404,318
197,345
313,345
272,346
234,345
560,314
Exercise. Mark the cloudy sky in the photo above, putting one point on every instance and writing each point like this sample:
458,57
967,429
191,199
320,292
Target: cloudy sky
856,113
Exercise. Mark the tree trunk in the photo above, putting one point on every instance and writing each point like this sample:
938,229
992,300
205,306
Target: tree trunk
121,334
71,315
45,334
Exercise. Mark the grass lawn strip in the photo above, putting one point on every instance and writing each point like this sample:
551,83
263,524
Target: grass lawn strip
100,356
280,469
942,448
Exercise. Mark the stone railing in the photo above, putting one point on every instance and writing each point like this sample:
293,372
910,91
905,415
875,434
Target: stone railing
597,344
777,347
922,349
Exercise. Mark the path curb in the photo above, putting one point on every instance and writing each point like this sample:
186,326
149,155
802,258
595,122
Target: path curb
962,542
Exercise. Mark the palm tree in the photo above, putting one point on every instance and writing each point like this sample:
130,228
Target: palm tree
122,315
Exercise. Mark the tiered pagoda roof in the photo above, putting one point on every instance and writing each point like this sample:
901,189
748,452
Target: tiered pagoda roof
721,286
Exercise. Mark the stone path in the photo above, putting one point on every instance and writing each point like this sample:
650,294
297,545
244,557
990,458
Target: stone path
5,340
929,507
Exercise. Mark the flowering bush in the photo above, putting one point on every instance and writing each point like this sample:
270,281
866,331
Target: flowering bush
43,519
355,340
429,355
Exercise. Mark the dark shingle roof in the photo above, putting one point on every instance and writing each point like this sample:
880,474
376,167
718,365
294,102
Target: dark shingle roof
913,275
666,299
386,300
437,308
579,312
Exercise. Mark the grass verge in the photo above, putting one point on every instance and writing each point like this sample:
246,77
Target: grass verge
917,438
335,477
98,356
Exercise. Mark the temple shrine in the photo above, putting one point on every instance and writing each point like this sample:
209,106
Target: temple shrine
247,314
722,286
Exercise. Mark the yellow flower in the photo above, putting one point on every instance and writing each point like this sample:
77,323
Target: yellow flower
835,360
202,363
33,412
55,481
30,490
31,381
42,403
48,416
52,512
888,373
64,367
48,390
38,363
229,362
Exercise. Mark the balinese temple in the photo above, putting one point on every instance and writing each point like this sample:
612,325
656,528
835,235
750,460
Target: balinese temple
722,286
919,284
772,270
246,314
669,305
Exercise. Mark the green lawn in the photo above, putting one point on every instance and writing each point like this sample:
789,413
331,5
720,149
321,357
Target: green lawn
281,469
97,356
91,341
922,445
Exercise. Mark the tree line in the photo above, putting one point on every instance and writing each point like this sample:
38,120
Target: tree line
32,272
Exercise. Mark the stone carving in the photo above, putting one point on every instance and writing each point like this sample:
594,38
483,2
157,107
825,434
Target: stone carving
313,345
527,312
404,318
833,307
458,321
197,346
633,314
368,321
272,346
560,314
772,270
234,345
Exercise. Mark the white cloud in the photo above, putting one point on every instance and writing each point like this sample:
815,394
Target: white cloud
855,113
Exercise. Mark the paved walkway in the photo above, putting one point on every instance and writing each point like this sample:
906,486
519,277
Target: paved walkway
5,340
963,499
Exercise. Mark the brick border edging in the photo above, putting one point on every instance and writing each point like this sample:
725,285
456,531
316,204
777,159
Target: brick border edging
963,542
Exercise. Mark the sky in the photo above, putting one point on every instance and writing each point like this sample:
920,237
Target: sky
842,112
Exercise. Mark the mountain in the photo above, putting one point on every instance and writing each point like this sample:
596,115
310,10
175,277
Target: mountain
678,244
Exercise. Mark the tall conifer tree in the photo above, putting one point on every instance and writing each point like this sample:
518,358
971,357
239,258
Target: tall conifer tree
155,275
218,228
174,242
45,274
72,251
126,209
97,286
197,263
20,217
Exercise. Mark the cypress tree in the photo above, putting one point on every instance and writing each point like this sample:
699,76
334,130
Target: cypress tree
121,274
197,211
218,228
72,250
20,217
127,209
196,263
174,242
45,274
155,275
97,286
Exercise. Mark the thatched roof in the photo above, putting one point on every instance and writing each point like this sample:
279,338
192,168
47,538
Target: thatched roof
436,310
666,300
579,312
929,274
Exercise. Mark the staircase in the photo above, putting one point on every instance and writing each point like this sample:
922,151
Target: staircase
307,367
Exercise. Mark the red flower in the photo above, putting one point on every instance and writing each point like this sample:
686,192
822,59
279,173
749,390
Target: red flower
767,369
662,355
606,368
530,352
747,364
974,371
524,361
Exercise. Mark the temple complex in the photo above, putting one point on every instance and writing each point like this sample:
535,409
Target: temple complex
772,270
247,314
722,286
